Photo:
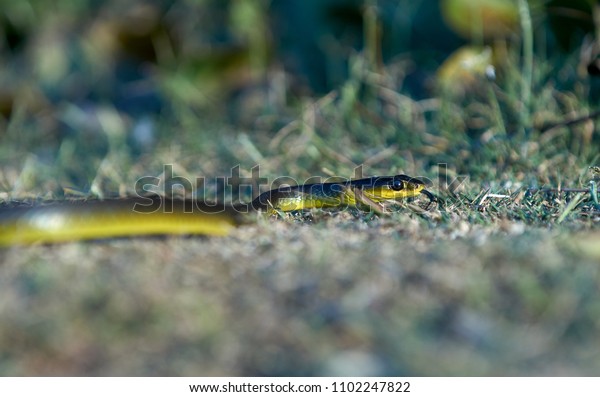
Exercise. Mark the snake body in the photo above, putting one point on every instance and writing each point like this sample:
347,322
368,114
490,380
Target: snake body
98,219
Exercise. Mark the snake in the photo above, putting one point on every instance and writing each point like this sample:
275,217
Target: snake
63,221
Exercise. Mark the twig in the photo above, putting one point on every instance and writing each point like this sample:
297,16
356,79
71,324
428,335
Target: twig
570,122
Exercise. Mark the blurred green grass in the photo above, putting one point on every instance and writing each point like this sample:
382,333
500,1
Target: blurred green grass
500,284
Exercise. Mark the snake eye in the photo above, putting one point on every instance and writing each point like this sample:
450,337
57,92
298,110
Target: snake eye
397,185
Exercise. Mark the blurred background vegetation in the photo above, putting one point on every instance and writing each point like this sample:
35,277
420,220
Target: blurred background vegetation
89,85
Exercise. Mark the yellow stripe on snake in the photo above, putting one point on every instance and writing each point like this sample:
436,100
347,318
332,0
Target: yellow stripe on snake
141,216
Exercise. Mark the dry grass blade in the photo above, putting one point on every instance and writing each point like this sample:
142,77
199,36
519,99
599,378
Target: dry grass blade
362,198
570,207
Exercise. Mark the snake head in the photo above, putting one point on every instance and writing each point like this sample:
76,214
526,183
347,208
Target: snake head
409,186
